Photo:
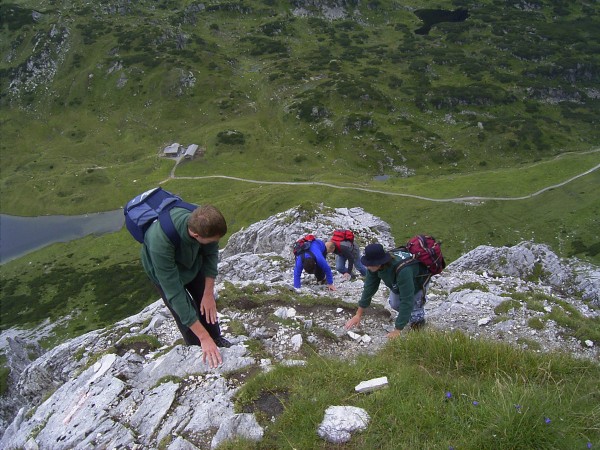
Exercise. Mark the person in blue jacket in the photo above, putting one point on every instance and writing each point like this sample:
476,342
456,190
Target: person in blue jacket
314,261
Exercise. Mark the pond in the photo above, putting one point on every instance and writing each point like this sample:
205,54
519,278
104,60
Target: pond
22,235
381,177
432,16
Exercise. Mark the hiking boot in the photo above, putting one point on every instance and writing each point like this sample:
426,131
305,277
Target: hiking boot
222,342
415,326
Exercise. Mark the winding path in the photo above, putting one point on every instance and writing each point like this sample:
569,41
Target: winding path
470,199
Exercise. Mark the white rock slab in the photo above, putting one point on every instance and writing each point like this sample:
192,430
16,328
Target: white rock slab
371,385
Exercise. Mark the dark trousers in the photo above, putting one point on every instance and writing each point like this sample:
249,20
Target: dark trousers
319,274
195,289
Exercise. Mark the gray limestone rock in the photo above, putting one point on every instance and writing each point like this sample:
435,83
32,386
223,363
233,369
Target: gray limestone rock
341,421
238,425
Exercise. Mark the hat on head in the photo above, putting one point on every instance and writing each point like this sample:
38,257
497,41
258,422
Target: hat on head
375,255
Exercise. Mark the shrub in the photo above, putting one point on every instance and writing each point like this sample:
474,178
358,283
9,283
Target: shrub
265,46
309,111
474,286
231,137
536,323
4,373
506,306
15,17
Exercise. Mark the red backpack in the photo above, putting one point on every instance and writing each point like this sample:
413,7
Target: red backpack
303,244
427,251
340,236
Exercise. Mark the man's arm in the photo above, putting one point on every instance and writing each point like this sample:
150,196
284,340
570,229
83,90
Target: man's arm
208,305
355,320
298,272
210,351
371,285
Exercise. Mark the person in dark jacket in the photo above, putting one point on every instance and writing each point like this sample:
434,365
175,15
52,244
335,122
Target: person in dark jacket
407,288
313,261
185,275
346,252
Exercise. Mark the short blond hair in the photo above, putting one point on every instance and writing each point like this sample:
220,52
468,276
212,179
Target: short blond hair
207,221
330,246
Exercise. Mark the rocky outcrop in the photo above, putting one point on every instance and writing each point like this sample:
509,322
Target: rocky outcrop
34,75
330,10
277,233
133,386
535,262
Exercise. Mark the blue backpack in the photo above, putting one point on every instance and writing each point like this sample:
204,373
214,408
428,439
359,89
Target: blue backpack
141,211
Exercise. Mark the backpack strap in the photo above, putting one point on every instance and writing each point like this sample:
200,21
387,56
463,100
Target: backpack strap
303,252
166,221
406,262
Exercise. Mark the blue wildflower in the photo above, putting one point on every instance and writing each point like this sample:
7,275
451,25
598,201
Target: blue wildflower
589,445
475,402
547,419
448,394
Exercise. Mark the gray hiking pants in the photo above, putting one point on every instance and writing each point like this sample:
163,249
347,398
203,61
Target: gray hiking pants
418,312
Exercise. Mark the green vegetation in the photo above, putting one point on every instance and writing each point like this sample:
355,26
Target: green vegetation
582,328
506,306
469,394
473,286
535,323
94,291
564,314
254,295
167,379
235,327
4,374
252,82
142,341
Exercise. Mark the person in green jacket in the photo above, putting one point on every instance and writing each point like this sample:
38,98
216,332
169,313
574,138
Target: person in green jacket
185,275
407,288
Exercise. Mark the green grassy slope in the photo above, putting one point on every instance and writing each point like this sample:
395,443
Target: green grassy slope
369,96
444,391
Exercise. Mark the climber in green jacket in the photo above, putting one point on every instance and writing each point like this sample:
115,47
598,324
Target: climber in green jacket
185,275
407,288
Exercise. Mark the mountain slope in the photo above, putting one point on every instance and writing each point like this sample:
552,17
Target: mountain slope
132,385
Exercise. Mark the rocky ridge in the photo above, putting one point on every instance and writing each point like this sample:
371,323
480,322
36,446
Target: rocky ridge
107,389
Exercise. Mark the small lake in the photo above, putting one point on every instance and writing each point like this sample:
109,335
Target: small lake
381,177
22,235
430,17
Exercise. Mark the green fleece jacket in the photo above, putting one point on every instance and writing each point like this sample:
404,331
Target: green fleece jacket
407,282
172,268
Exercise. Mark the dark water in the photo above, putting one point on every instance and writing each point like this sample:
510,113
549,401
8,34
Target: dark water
22,235
432,16
381,177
